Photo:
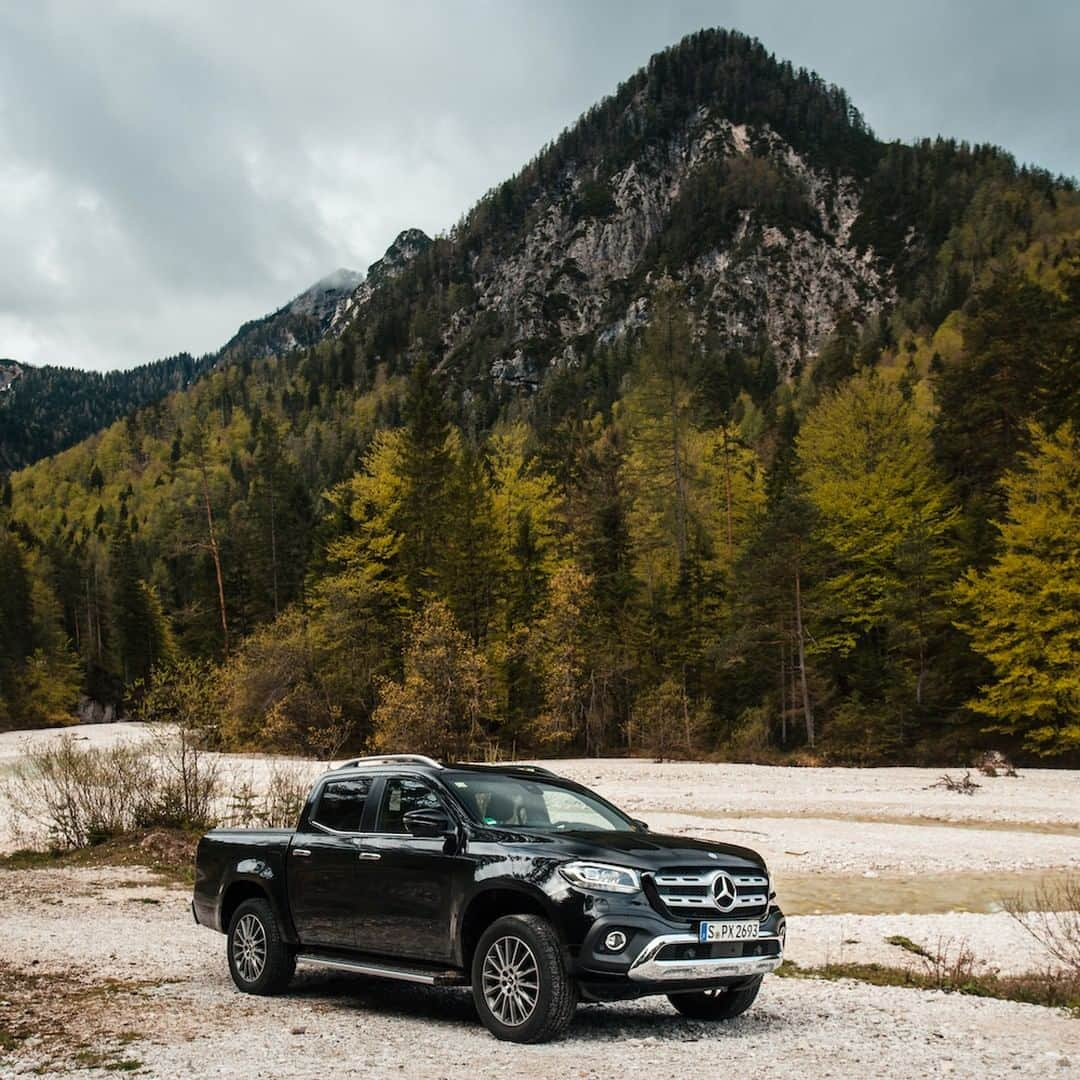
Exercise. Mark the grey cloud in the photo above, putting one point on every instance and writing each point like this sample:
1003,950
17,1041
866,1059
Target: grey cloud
169,170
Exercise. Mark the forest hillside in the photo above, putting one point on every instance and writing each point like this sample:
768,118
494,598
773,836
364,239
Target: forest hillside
723,427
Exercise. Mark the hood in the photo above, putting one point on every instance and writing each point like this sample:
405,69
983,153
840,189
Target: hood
640,850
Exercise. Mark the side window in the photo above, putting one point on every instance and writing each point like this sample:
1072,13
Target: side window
341,804
400,795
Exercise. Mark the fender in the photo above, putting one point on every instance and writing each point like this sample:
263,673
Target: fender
532,892
271,883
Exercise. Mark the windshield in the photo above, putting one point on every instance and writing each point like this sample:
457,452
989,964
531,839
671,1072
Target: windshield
533,804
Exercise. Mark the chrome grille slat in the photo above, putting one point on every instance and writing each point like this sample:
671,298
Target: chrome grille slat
689,892
752,900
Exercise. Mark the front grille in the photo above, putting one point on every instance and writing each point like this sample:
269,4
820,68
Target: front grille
688,893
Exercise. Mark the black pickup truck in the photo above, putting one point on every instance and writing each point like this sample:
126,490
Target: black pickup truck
525,886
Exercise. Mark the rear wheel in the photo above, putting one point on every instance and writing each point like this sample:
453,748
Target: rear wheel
716,1004
519,983
259,960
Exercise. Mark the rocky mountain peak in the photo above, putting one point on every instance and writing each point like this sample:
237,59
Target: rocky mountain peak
397,258
9,372
737,175
406,246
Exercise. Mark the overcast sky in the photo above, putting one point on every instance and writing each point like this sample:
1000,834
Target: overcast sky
170,169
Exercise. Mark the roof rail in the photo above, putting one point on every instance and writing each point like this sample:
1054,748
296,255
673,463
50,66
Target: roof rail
392,759
538,769
531,768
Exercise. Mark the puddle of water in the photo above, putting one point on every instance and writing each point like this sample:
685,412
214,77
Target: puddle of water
914,894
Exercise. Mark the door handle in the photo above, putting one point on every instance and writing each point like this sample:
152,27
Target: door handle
369,855
301,851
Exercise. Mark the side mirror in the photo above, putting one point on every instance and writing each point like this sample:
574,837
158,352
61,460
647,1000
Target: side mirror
640,825
427,823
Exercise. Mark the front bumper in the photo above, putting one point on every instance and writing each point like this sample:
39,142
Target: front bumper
660,958
649,967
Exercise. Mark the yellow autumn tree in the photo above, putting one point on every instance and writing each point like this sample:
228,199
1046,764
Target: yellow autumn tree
1023,612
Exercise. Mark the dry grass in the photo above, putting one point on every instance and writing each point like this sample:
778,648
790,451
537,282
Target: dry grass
168,852
51,1022
953,968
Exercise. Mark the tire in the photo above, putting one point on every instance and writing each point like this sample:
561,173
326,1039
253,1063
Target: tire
519,982
716,1004
260,962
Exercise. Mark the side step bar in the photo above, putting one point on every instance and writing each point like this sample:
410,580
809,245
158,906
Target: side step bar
384,971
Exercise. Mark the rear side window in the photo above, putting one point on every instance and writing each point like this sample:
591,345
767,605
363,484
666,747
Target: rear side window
341,804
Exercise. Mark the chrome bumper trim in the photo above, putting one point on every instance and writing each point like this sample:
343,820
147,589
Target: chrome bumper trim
646,968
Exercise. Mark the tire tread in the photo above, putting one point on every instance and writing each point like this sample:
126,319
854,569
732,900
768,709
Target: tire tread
563,991
280,957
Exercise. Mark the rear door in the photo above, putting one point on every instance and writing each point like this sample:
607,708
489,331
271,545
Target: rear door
323,863
408,886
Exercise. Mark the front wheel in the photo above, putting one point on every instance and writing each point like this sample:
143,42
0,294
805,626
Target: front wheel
716,1004
519,982
260,961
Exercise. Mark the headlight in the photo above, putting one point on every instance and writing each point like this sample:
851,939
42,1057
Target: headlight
600,876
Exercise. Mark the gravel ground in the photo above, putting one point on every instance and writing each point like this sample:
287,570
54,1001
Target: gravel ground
106,964
173,1008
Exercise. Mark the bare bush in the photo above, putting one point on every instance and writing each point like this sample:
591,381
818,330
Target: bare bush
952,964
1052,918
286,793
278,807
187,781
77,796
80,796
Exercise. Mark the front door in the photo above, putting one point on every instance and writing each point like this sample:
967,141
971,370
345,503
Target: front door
409,882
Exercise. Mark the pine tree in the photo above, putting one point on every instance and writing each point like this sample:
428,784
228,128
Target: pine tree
426,465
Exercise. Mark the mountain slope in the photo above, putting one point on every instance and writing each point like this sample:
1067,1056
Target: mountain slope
44,410
756,185
684,434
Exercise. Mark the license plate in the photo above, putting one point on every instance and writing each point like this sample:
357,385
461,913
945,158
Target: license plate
727,931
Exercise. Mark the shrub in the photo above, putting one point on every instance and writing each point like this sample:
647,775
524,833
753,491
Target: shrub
1054,921
441,704
278,807
666,722
80,796
186,781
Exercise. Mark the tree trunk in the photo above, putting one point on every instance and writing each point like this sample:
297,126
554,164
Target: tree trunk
799,637
783,693
273,545
686,716
727,493
215,554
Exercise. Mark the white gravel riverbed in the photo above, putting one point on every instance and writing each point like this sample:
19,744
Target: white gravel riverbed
131,979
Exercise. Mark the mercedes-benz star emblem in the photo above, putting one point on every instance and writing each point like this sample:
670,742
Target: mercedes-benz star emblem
724,892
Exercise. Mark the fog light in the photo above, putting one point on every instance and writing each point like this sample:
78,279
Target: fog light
615,941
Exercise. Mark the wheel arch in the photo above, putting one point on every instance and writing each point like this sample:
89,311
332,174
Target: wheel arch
493,902
242,888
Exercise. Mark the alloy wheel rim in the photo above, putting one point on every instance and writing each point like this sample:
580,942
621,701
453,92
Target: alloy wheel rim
511,980
249,947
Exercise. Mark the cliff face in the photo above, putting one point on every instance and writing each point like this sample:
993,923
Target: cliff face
770,282
716,166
